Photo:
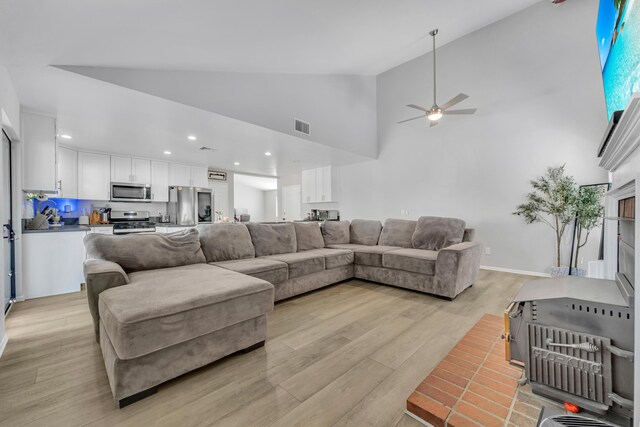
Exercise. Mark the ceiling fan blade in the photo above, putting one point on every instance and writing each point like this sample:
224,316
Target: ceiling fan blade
433,124
455,112
453,101
417,107
413,118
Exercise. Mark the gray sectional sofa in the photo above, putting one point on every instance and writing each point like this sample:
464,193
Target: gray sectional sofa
164,305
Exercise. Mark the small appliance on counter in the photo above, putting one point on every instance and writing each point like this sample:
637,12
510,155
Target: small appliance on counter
127,222
324,215
190,206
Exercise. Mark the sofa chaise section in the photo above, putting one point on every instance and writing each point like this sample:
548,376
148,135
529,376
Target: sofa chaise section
156,324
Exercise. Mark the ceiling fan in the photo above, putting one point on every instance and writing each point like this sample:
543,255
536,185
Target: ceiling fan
436,112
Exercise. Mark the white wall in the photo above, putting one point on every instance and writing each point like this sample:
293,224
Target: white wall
251,199
10,123
535,78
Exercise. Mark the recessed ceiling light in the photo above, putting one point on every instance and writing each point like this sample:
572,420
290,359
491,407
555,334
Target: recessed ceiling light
167,152
191,138
236,163
268,153
65,136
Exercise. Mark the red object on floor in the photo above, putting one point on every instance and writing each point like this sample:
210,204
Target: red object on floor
473,385
571,407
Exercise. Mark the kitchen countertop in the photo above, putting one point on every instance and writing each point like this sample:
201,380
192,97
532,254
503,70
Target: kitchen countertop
63,229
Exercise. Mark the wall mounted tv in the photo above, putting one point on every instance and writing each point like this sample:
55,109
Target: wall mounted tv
618,32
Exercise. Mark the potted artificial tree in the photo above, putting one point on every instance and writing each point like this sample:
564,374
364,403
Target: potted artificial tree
589,211
552,202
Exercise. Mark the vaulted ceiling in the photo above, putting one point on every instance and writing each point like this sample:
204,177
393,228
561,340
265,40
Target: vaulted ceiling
329,37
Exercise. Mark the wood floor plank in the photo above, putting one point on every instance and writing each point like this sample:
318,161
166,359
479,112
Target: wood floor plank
348,354
329,404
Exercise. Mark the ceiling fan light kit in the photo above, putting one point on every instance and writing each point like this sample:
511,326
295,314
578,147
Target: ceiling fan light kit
436,112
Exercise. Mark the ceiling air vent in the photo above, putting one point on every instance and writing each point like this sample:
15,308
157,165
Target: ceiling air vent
302,127
203,148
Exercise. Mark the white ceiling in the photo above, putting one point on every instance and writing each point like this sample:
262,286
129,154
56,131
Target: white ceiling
259,182
292,36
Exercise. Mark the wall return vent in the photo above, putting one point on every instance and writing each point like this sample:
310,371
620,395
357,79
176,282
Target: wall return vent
302,127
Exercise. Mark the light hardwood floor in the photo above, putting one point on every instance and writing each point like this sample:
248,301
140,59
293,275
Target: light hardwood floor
346,355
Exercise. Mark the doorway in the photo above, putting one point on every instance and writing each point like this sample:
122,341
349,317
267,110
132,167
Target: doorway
8,235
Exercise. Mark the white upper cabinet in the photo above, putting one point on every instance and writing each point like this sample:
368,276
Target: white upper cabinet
120,169
94,176
39,152
67,173
179,175
308,186
159,181
319,185
187,176
199,176
127,169
141,171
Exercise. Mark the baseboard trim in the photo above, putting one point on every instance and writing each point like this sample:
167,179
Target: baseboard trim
510,270
3,344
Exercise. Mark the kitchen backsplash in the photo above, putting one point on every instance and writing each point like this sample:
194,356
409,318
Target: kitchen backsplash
76,206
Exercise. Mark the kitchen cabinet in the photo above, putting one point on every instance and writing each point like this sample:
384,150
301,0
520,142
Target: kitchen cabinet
308,186
39,153
130,169
199,176
94,176
52,263
159,181
67,168
185,175
319,185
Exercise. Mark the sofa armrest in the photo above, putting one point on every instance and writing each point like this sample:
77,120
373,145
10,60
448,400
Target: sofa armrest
457,268
100,275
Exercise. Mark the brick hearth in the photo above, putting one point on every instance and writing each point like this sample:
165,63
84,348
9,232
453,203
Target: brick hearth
474,385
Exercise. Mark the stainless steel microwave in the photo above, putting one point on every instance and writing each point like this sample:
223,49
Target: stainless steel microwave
127,192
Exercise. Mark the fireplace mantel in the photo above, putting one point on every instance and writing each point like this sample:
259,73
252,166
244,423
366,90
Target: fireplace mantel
625,138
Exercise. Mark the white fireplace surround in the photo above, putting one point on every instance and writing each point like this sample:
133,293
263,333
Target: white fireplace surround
622,159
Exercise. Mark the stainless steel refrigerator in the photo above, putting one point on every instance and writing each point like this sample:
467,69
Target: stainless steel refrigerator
190,206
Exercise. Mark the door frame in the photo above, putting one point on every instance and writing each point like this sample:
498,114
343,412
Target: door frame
10,223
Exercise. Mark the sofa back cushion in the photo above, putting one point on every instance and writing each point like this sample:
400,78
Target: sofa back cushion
308,236
273,239
365,232
146,251
434,233
225,242
335,232
397,232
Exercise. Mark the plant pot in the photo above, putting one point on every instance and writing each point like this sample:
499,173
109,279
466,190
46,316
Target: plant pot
560,271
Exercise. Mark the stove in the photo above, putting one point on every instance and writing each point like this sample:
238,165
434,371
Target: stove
128,222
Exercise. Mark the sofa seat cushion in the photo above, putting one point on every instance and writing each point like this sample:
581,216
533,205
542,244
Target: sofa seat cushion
367,255
266,269
225,241
334,258
168,306
300,263
414,260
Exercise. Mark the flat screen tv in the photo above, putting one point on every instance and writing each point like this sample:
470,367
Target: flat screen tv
618,32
